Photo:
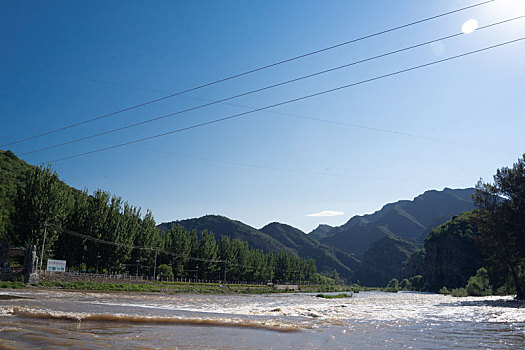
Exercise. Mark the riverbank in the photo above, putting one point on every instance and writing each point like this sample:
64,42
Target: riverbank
182,287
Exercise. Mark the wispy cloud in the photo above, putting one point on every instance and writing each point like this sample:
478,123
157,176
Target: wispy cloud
327,213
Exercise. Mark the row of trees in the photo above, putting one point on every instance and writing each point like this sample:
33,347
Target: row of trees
201,255
116,237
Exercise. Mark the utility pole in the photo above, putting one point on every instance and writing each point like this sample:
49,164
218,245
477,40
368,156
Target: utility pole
98,257
224,271
155,267
43,245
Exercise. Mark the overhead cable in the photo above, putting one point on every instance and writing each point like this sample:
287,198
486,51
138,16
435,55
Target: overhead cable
287,102
259,90
248,72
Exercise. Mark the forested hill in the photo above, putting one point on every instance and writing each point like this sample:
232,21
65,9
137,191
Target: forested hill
12,174
220,225
273,237
410,220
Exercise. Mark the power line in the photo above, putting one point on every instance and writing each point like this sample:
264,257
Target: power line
131,246
288,101
262,89
295,171
293,115
249,72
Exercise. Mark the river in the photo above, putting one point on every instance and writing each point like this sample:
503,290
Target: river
50,319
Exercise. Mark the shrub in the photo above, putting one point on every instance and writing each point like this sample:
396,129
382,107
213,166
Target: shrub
444,291
478,285
392,286
405,284
459,292
416,282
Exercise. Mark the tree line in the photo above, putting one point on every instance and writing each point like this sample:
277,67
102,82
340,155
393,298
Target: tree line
103,233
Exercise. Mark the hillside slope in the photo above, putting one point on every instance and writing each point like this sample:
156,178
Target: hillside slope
409,220
12,174
327,258
384,260
220,225
274,237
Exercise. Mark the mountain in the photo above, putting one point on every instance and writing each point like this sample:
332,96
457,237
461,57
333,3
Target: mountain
220,225
274,237
384,260
327,257
409,220
321,231
452,254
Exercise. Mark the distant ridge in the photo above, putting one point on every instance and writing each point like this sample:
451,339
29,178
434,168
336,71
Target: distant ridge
221,225
273,237
407,219
321,231
377,244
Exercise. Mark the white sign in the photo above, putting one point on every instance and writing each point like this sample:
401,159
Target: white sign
56,265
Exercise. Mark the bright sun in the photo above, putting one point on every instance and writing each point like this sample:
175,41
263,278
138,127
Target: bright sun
469,26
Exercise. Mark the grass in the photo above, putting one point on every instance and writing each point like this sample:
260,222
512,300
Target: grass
188,287
12,285
334,296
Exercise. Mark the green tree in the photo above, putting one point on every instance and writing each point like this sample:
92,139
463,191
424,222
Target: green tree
207,251
42,206
392,286
416,282
179,245
405,284
501,223
165,272
479,285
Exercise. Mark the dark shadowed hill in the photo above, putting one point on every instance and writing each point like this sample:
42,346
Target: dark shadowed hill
327,258
274,237
452,255
220,225
321,231
410,220
384,260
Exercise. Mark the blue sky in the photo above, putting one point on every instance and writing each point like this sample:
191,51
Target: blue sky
348,152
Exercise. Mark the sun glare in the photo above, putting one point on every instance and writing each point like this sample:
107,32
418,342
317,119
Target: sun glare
510,7
469,26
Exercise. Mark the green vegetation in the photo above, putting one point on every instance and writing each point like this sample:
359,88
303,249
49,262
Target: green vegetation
392,286
459,292
12,285
407,220
477,285
165,272
13,173
416,282
334,296
452,254
444,291
385,259
501,222
78,227
186,287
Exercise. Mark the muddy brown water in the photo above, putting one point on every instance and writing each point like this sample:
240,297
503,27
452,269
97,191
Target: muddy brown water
46,319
